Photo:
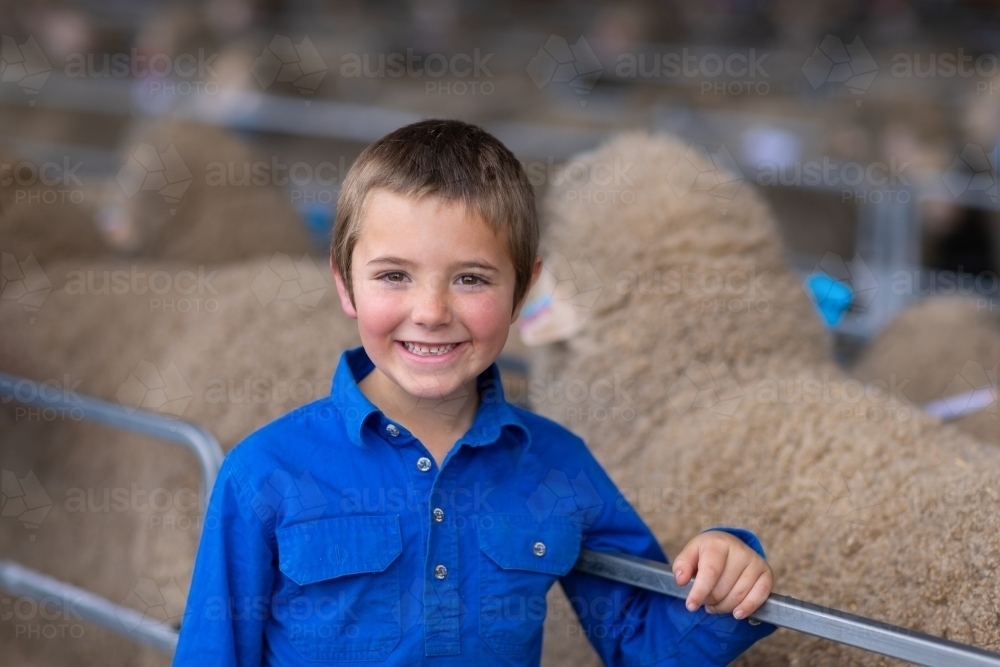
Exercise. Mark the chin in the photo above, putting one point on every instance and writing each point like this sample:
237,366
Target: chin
435,392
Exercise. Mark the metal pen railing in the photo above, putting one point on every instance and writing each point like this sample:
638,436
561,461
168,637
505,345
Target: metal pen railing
812,619
22,580
780,610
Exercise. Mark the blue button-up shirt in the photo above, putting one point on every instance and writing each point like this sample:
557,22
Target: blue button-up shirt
332,536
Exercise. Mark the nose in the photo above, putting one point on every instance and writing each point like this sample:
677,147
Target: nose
431,307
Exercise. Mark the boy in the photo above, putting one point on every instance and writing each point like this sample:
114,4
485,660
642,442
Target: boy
414,516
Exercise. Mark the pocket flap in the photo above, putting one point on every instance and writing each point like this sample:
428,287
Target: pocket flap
511,542
312,551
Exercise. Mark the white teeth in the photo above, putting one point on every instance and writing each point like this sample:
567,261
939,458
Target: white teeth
429,350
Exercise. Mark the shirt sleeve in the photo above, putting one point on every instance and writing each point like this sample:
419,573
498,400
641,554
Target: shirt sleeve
631,626
229,601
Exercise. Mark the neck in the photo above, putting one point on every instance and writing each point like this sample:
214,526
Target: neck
436,422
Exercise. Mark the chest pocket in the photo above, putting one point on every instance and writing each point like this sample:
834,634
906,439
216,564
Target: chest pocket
339,597
520,558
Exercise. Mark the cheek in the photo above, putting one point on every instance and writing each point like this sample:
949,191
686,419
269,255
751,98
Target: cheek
488,317
378,314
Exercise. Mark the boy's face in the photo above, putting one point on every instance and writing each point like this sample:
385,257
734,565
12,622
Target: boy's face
433,293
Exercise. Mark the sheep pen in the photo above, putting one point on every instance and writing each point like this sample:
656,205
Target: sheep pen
940,347
42,216
702,381
256,340
185,192
219,201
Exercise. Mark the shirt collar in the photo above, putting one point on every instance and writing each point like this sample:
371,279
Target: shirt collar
493,416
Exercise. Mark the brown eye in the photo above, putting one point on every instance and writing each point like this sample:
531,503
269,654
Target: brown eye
470,280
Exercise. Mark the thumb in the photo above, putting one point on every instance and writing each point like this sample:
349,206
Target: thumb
686,564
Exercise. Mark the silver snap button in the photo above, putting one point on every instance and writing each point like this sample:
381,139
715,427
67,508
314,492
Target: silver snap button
392,430
423,464
539,549
440,571
438,514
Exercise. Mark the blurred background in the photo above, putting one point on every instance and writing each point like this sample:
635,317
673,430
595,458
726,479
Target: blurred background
213,133
871,126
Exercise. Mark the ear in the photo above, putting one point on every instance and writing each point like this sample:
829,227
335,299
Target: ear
345,298
536,270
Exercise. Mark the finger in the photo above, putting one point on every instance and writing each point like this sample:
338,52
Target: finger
685,563
757,595
739,590
727,580
708,571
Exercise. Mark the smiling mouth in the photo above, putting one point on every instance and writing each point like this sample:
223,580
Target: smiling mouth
429,350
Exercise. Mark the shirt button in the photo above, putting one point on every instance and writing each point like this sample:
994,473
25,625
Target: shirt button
423,464
539,549
438,514
392,430
440,571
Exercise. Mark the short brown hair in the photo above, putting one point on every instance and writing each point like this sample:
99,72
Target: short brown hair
451,160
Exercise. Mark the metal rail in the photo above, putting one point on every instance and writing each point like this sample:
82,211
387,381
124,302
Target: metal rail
71,601
21,580
779,610
787,612
44,395
954,407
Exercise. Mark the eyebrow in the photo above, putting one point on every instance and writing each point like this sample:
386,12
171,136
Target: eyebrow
389,260
478,264
393,261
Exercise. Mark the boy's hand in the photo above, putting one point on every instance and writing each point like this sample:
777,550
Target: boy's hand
729,575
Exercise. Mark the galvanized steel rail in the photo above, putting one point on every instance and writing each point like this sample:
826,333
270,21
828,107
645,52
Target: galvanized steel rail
70,601
780,610
77,406
957,406
22,580
786,612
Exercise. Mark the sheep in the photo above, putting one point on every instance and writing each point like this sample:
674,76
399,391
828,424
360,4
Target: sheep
48,221
701,380
194,213
940,347
219,208
237,355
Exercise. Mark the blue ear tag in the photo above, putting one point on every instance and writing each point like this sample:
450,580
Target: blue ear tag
831,297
